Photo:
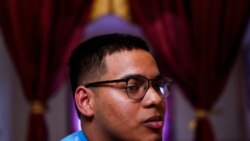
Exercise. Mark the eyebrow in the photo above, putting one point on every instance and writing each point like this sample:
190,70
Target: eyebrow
136,75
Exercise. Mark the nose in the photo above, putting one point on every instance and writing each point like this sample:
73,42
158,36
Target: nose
152,98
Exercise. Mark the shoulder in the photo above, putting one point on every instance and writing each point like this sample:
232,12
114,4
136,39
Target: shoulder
76,136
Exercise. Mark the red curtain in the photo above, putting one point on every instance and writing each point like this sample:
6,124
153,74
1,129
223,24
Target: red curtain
40,35
197,43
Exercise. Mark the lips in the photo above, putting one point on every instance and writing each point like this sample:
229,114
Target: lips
154,122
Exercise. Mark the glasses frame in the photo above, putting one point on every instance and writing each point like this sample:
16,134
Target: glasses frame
126,79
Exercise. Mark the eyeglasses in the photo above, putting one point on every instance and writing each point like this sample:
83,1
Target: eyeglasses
137,86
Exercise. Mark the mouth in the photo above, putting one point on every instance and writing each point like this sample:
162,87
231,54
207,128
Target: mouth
154,122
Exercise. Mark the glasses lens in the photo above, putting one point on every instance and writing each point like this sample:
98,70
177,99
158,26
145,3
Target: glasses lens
136,87
162,86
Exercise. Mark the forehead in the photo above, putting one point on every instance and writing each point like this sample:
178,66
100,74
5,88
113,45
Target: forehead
127,62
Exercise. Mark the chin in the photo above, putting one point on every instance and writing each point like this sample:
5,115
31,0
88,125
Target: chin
152,137
145,137
156,138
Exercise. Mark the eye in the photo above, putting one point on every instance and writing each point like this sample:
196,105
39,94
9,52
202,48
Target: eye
134,84
132,88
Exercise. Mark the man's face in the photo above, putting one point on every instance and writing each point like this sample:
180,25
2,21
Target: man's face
118,117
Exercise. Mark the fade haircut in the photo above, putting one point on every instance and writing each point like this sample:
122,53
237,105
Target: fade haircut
87,60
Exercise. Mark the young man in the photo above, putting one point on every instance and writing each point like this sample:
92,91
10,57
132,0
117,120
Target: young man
118,90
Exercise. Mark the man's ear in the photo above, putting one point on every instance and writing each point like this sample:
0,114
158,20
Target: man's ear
84,101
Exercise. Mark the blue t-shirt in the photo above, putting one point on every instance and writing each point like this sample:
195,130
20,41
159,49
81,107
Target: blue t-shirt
77,136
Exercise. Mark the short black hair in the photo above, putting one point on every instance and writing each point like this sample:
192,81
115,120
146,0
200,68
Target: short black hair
86,62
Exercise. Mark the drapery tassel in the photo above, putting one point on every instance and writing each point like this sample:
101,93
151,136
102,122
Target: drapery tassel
119,8
37,130
199,114
37,107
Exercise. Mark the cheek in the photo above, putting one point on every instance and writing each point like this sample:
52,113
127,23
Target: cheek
116,109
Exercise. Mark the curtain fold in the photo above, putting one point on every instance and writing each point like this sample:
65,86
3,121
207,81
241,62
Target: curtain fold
40,36
196,42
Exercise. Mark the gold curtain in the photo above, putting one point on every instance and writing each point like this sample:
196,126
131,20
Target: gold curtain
119,8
